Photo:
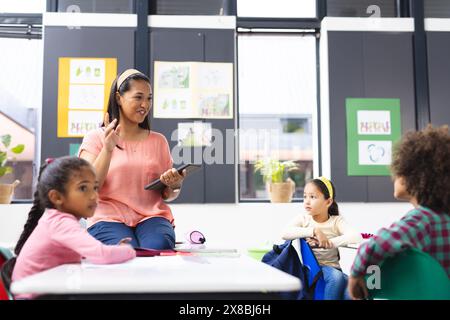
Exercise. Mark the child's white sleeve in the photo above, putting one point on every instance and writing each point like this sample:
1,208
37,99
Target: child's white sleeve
297,228
347,234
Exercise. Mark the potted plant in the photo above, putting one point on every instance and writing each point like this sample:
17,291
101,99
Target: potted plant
275,174
7,190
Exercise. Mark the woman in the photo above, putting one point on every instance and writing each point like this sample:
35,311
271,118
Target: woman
127,155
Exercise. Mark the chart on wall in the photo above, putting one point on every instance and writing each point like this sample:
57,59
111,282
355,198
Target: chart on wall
373,128
194,134
83,90
201,90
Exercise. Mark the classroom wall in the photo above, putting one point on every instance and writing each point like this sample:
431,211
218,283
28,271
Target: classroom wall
367,65
439,76
240,226
84,42
203,45
236,225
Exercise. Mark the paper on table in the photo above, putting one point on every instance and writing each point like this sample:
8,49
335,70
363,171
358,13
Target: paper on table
201,248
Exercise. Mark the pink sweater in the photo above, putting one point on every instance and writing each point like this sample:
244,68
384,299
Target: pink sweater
59,239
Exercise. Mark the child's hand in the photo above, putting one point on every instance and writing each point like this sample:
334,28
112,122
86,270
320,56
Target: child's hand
312,242
322,239
125,241
357,288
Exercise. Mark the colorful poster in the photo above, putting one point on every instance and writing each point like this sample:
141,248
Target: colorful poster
83,91
86,96
193,90
87,71
374,152
174,77
214,105
81,122
374,122
373,127
194,134
178,104
73,149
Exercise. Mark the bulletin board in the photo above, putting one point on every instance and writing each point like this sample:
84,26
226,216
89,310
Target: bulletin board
85,42
83,91
215,50
373,128
193,90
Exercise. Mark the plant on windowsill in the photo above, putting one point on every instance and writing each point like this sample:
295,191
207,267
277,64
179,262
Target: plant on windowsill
275,174
7,190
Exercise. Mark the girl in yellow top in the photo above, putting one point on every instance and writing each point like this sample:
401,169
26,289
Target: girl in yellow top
325,230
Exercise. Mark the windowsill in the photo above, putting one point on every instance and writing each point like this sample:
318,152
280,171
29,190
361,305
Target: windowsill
22,201
295,200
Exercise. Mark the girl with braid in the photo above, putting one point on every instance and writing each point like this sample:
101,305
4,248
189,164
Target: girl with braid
67,191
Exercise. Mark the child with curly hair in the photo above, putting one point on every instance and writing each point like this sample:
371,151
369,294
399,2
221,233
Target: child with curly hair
421,174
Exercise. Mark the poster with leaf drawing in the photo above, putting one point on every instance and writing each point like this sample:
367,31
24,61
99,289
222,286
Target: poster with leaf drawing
201,90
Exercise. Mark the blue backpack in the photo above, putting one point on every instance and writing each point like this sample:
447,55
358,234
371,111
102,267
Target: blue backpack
285,258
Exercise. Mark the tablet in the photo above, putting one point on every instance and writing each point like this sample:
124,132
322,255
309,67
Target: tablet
158,185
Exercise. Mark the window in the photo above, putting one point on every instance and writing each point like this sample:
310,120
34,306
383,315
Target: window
21,87
437,9
22,6
277,102
362,8
96,6
191,7
276,9
20,100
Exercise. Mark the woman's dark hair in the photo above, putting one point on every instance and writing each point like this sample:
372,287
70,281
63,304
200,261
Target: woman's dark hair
333,210
422,159
53,175
114,107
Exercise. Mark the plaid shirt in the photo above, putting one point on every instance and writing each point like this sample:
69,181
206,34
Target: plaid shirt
420,228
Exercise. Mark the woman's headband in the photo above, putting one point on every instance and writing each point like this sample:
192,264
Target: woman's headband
125,75
327,184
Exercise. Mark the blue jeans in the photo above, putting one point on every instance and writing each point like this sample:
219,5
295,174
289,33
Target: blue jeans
335,284
154,233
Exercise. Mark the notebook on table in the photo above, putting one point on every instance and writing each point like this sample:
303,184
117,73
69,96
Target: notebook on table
143,252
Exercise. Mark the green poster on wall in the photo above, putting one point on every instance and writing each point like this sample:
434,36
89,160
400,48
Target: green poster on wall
73,149
373,127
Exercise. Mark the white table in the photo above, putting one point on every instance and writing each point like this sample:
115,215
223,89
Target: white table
175,277
8,245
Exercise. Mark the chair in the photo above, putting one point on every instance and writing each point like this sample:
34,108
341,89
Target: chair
5,266
316,282
412,275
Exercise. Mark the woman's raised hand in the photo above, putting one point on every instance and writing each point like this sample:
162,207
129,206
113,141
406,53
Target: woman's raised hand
111,135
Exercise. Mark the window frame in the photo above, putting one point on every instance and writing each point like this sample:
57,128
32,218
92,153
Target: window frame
26,26
316,123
